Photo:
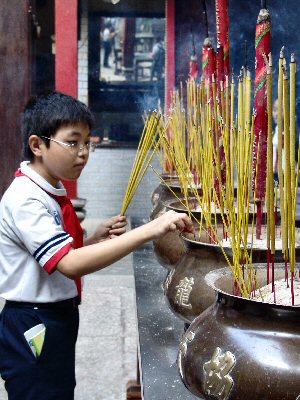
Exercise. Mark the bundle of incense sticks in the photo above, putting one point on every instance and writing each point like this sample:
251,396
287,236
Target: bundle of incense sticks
163,150
288,174
147,147
196,125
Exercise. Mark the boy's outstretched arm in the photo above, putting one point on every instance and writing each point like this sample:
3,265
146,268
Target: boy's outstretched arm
88,259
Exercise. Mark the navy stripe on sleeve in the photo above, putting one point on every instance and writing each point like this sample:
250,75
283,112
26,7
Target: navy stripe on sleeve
49,244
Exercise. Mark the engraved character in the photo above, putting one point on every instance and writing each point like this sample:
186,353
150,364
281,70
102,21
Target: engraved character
184,289
217,381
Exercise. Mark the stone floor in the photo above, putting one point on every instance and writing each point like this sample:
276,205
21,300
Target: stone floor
107,342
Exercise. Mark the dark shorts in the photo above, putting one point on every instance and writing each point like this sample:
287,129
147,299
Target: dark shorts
51,376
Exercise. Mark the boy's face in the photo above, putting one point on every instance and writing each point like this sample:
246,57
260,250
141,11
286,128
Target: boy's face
67,154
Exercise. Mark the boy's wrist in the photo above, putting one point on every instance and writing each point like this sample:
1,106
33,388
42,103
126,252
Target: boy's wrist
146,232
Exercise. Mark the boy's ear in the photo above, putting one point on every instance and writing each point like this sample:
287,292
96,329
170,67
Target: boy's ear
35,144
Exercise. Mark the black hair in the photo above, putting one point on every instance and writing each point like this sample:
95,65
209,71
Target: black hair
47,112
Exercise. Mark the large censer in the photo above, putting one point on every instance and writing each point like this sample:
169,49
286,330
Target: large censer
170,249
185,288
240,349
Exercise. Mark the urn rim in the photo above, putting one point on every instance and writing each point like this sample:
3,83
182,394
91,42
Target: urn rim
212,277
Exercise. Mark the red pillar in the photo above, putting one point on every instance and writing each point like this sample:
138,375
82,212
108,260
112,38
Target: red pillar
66,59
170,51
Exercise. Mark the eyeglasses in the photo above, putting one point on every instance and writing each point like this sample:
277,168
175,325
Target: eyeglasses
75,147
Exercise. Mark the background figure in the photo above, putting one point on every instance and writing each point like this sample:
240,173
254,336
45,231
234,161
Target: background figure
108,38
158,55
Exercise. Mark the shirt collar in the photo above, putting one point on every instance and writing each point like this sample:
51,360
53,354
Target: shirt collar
39,180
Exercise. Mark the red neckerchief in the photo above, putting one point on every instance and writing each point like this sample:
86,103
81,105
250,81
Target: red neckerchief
71,222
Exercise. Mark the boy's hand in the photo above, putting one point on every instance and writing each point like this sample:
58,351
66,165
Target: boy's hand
116,226
172,221
109,229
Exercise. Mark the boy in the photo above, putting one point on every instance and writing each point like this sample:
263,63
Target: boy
42,256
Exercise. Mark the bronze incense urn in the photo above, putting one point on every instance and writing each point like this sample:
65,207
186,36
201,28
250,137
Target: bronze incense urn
164,192
185,289
169,249
240,349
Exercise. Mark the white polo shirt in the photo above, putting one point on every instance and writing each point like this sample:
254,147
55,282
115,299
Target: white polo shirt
32,241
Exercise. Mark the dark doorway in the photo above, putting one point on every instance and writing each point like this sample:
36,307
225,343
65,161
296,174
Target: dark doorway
124,85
